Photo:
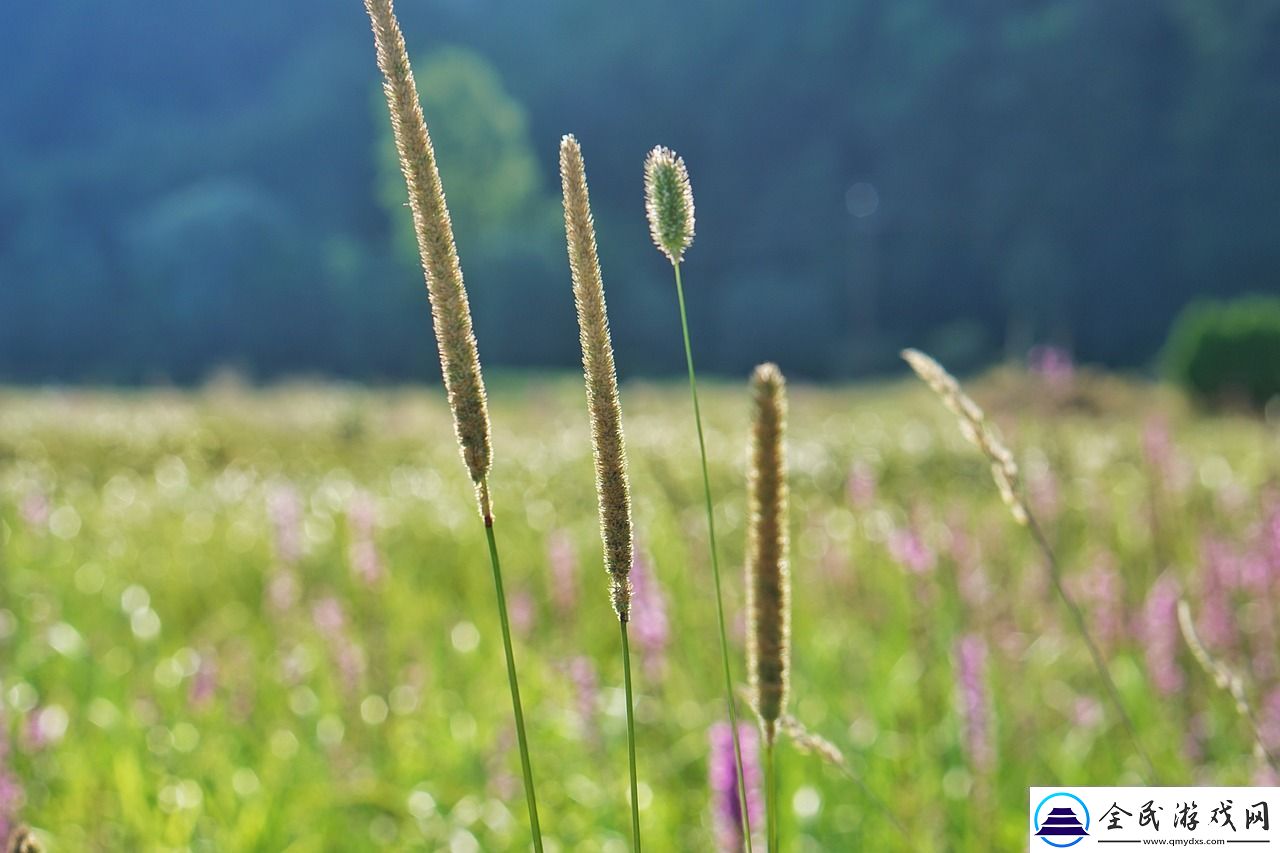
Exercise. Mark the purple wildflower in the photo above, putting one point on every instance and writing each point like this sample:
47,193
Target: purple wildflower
1045,494
1263,570
11,794
1053,364
203,683
328,616
524,612
35,510
45,727
284,508
909,550
1220,577
1086,712
564,573
648,627
1161,635
1161,455
971,678
861,485
362,552
1101,590
347,654
283,590
1269,725
726,811
586,688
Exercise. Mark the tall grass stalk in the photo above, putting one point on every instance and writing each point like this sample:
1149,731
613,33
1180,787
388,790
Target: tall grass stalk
608,444
768,573
450,317
669,207
1004,470
1225,680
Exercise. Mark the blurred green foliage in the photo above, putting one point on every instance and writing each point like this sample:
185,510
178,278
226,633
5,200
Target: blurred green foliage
868,174
1228,352
198,685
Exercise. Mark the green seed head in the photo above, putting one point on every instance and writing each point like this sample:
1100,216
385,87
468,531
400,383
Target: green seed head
668,202
450,310
768,572
607,442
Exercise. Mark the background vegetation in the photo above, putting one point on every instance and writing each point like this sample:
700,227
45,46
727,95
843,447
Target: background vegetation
189,186
202,654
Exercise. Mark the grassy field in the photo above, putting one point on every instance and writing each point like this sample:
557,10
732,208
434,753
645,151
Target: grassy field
243,621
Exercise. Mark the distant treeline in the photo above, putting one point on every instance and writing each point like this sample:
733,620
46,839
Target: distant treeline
186,186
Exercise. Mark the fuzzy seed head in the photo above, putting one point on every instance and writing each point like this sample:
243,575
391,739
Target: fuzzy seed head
608,445
23,840
768,579
668,201
976,429
450,310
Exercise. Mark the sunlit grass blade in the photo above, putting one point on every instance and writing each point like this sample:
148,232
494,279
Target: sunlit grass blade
669,206
607,441
451,317
975,427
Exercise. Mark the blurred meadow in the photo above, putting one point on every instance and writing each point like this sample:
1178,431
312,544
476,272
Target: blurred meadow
261,620
244,597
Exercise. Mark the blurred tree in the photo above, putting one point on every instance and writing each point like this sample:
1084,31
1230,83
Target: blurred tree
509,228
868,174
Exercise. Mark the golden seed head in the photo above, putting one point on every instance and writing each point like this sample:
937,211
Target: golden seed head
668,201
23,840
608,445
975,427
768,579
450,311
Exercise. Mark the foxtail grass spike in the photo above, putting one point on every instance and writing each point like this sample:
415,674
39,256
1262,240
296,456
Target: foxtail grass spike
668,201
669,204
607,441
768,580
450,311
451,317
979,431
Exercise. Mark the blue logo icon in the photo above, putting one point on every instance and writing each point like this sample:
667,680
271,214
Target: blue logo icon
1057,820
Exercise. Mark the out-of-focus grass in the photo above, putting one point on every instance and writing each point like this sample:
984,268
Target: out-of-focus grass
139,569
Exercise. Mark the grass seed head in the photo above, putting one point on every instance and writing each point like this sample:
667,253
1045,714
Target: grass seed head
450,311
975,427
668,201
608,446
768,573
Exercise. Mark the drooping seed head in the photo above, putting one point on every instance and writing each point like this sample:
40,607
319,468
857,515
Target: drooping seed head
608,445
668,201
975,427
768,579
1223,677
450,310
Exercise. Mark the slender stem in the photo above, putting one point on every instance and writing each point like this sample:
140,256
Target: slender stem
515,687
771,798
1099,663
631,741
715,568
